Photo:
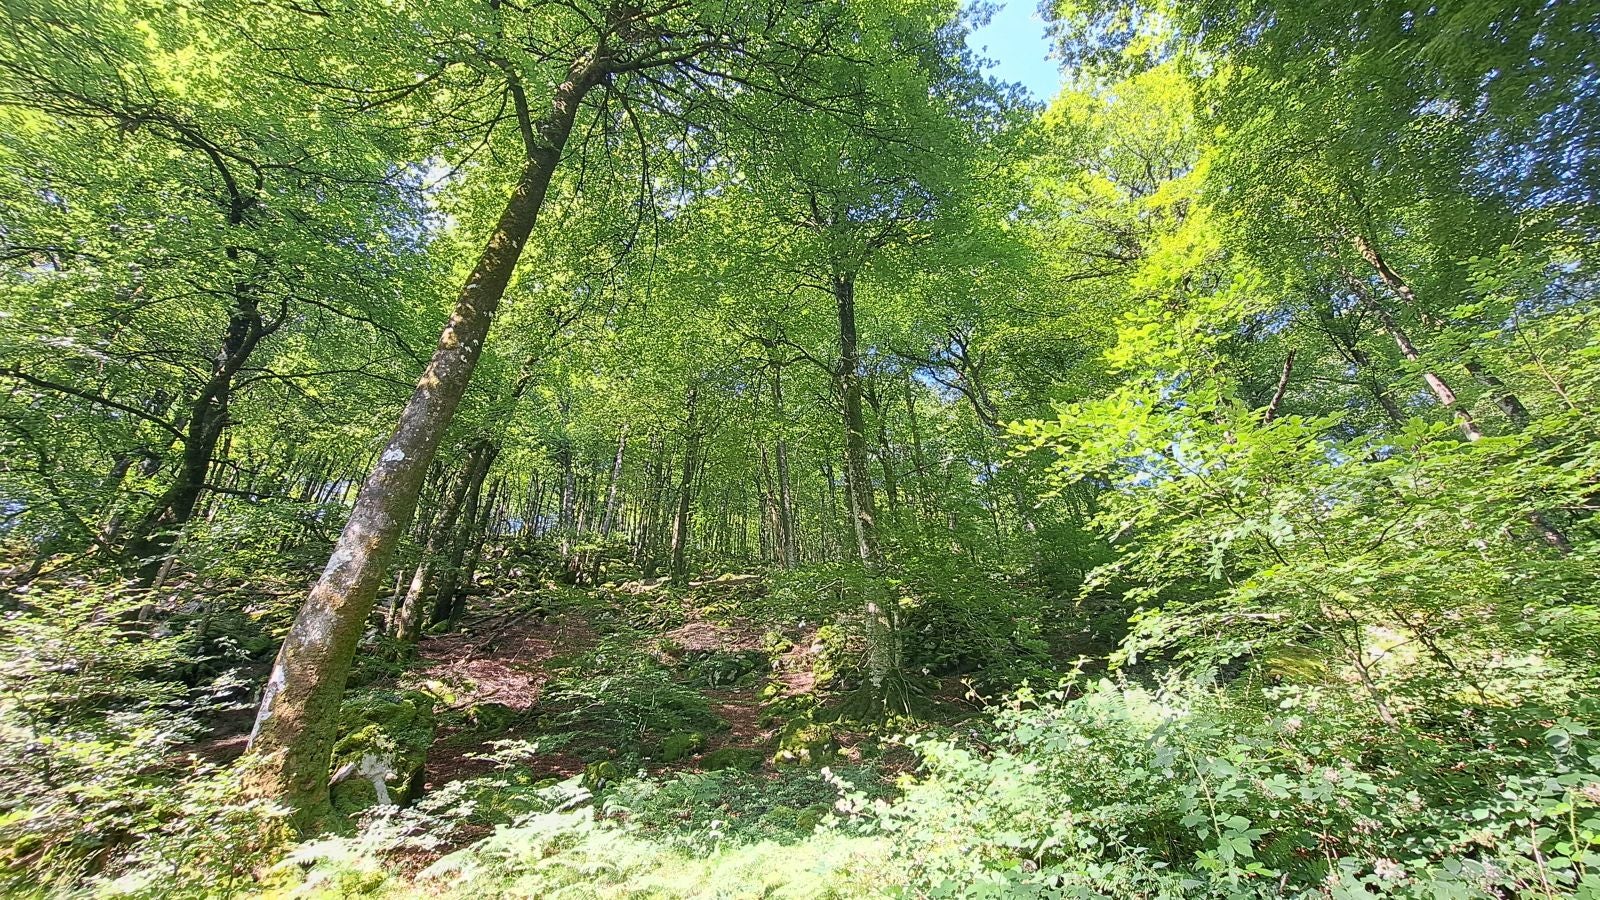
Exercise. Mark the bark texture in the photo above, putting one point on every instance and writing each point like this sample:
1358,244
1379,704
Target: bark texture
883,654
292,741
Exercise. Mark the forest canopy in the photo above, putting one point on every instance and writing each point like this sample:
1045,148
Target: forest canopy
679,448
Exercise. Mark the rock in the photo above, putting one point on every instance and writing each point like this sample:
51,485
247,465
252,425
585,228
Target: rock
492,717
804,741
383,743
812,816
598,775
676,746
733,758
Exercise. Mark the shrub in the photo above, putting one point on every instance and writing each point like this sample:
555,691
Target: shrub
1196,791
92,713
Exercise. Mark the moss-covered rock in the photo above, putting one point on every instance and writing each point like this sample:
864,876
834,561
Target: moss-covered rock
677,746
1296,665
383,743
491,717
804,741
598,775
812,816
733,758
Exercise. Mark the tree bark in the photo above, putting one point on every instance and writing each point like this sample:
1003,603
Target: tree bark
405,616
613,489
479,461
1441,390
152,538
1508,402
1271,412
883,655
784,538
469,570
295,728
681,521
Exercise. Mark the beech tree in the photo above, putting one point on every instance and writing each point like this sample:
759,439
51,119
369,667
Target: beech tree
659,51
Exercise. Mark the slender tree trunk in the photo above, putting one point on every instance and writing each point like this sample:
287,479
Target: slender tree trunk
1441,391
784,538
1508,402
152,538
614,486
295,728
681,521
479,461
424,537
469,570
1380,392
830,513
1271,412
891,484
883,655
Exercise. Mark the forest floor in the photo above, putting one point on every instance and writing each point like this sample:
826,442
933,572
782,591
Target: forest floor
491,675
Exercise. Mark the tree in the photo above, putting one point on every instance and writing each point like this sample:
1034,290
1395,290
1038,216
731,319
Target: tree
628,49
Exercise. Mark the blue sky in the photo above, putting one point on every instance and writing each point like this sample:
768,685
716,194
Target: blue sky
1014,39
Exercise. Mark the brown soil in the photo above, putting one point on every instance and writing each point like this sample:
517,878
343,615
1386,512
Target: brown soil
504,659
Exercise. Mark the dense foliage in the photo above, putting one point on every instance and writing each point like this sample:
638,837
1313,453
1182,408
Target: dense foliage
837,472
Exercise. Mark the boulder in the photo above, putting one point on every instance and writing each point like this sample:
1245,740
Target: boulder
677,746
733,758
804,741
383,744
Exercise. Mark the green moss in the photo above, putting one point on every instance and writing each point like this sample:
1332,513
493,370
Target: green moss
677,746
598,775
812,816
1296,665
492,717
733,758
391,730
804,741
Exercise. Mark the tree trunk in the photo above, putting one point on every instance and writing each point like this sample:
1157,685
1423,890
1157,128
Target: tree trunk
681,521
1507,401
1271,412
479,461
891,484
1441,390
295,728
883,656
405,615
613,489
469,570
152,538
784,538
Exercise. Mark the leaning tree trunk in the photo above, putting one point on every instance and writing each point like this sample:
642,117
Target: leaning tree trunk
883,654
1507,401
1547,530
292,742
1441,390
408,621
